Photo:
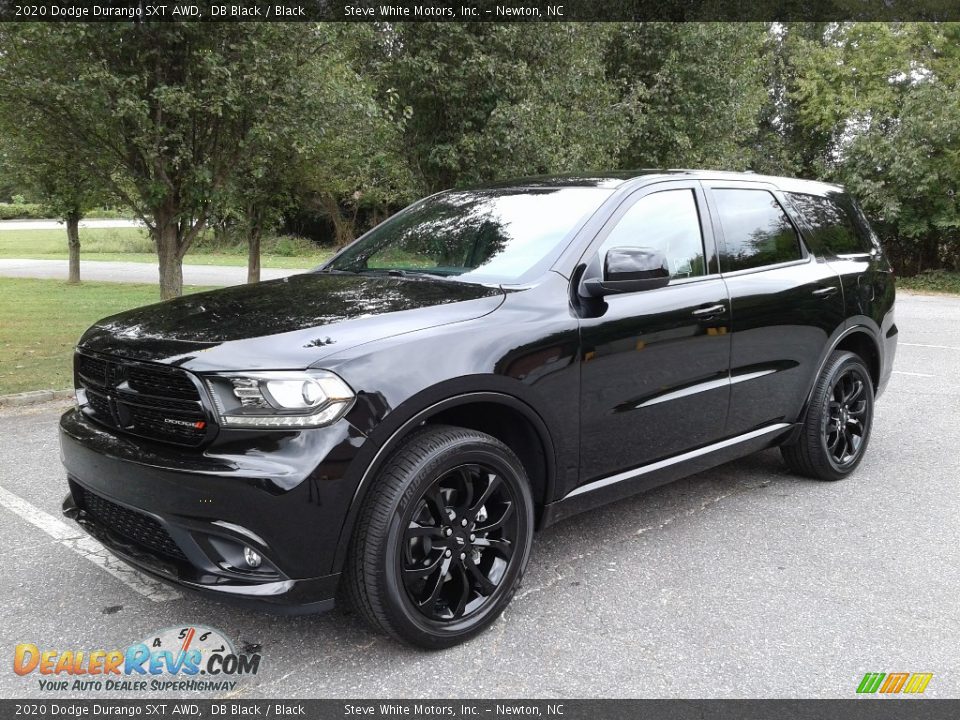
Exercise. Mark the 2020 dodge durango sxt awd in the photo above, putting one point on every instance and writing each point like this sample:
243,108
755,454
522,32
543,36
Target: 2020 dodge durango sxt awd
391,427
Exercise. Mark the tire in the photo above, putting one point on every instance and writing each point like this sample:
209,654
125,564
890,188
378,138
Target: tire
443,538
836,429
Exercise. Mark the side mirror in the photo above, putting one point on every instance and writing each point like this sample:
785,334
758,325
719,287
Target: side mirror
628,270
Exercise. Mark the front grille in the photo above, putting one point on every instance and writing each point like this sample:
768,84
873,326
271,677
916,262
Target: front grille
98,403
151,401
92,369
134,526
151,382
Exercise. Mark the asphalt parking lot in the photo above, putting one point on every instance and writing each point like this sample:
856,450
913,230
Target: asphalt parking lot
740,582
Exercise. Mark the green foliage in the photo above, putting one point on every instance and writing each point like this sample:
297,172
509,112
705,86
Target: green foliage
36,211
167,115
783,145
936,281
887,96
23,211
331,145
239,124
485,101
691,92
234,244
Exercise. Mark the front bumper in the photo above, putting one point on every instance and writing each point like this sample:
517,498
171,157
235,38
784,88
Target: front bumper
185,516
283,596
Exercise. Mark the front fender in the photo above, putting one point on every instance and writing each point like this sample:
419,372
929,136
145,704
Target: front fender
390,434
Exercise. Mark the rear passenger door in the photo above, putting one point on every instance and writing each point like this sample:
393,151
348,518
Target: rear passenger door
785,304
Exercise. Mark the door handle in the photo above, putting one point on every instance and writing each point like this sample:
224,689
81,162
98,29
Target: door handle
709,311
825,292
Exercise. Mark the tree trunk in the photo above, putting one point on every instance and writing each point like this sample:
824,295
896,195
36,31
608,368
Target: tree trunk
220,235
73,246
344,230
167,240
253,255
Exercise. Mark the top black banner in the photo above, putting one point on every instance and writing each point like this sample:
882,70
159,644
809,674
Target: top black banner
498,11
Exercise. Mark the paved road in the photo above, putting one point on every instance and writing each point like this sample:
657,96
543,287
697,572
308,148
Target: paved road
134,272
92,223
742,581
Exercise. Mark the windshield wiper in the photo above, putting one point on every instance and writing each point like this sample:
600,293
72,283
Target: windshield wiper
398,272
414,273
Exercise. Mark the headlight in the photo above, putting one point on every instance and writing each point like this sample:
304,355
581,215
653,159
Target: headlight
280,399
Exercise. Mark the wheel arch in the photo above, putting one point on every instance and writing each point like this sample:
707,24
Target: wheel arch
504,416
858,339
861,342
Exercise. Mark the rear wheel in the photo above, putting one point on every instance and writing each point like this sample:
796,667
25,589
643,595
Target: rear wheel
837,427
443,538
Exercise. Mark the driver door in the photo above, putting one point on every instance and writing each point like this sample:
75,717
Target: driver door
655,364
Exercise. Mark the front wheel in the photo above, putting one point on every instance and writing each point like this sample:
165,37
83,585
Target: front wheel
443,538
836,429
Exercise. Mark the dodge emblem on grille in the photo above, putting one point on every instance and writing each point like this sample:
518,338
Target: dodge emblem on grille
198,424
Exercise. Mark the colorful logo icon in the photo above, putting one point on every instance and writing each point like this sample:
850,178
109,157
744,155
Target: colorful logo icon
172,659
892,683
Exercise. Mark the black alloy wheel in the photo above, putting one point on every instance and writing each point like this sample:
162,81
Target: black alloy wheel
845,430
835,432
459,542
442,539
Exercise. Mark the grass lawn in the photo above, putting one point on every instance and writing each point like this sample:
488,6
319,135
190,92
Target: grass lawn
133,245
41,321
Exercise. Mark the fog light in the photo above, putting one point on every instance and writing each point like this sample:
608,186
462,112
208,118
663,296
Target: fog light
252,557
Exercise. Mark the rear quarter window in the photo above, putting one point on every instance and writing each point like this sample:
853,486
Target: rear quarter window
831,229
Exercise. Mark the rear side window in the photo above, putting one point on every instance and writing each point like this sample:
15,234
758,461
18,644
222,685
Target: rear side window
832,231
756,230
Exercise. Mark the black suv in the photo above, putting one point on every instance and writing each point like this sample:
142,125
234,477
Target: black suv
392,426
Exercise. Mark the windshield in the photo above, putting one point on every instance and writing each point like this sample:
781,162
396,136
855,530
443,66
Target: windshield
486,236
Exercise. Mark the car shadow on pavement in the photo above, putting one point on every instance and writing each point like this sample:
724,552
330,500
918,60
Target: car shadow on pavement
643,514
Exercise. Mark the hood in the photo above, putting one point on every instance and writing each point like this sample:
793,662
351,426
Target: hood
288,323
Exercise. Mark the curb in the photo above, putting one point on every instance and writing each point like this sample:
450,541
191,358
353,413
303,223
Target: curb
33,397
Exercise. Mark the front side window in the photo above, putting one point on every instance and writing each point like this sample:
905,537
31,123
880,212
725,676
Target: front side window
486,236
832,231
756,230
665,221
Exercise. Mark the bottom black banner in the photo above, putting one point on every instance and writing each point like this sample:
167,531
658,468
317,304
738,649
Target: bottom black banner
853,709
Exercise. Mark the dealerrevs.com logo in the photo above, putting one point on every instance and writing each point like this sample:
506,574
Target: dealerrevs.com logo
176,659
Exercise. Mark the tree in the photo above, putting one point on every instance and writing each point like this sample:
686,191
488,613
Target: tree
360,165
350,155
53,171
886,96
489,101
167,109
784,145
336,147
690,93
262,192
